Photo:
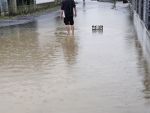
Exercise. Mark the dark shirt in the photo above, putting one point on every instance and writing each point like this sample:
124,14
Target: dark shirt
67,6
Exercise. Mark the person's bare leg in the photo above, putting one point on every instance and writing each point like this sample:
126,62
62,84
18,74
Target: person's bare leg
72,29
68,29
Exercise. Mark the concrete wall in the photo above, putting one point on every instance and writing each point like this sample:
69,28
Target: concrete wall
142,32
141,25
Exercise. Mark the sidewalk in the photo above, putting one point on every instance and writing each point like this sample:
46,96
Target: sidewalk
23,19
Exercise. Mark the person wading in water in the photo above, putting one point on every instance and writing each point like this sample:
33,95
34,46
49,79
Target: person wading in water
68,8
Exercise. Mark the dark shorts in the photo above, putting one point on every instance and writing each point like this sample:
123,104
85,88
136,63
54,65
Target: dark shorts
69,20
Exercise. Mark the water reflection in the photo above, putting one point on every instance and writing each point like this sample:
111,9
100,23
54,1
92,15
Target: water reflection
70,49
147,80
144,68
69,45
84,6
142,61
19,47
97,32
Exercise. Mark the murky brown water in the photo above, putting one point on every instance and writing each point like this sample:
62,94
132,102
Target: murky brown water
44,71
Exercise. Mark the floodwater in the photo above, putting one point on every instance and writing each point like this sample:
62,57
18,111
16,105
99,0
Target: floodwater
44,71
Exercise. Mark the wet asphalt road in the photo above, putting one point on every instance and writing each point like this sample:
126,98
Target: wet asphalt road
42,70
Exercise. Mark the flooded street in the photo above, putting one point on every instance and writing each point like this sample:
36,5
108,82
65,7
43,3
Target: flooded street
44,71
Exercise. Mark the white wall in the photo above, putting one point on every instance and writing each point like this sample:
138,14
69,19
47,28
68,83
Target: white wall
142,33
43,1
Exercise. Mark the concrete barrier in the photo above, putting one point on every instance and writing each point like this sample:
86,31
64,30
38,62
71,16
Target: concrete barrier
142,33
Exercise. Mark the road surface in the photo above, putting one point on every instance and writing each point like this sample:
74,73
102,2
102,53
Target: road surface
42,70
